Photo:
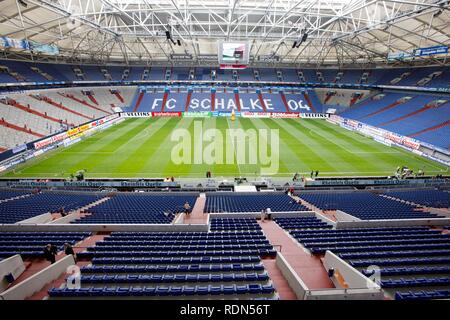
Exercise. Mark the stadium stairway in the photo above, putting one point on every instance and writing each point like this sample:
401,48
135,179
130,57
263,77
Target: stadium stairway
423,109
446,123
328,214
309,101
197,216
138,102
354,100
77,214
69,96
188,100
283,98
261,100
15,197
119,96
237,100
17,128
309,268
61,106
213,100
92,98
425,199
164,100
392,105
367,99
279,281
17,105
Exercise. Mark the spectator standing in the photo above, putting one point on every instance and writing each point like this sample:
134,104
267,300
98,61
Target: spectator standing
269,214
68,250
50,252
187,208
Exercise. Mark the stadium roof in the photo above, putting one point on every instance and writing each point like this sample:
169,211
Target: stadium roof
339,32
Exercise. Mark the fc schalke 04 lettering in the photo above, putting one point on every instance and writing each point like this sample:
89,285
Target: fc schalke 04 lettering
228,104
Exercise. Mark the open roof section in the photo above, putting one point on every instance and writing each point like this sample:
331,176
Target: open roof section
133,31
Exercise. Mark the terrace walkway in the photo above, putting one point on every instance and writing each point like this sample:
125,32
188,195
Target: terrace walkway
197,216
308,267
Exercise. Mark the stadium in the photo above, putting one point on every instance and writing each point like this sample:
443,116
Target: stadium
224,150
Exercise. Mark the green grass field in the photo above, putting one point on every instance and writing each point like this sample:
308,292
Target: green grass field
142,147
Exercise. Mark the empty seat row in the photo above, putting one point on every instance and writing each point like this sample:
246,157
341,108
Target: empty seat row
423,295
108,247
302,223
247,234
170,278
352,239
24,254
321,225
113,242
429,197
347,243
32,235
356,234
399,261
180,253
388,254
375,248
162,291
224,227
393,238
236,267
117,220
365,205
185,234
374,229
400,271
12,193
415,282
173,260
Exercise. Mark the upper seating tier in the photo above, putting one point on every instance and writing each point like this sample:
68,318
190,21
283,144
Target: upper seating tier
39,72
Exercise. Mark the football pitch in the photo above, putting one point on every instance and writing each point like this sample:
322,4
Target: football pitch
145,147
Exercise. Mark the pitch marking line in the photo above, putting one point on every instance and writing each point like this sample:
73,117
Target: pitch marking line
234,147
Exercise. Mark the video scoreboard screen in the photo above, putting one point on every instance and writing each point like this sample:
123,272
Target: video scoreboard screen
233,55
